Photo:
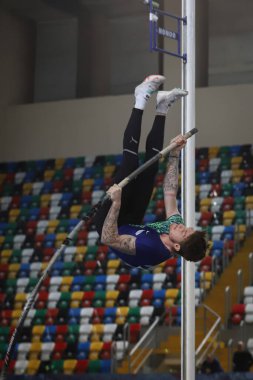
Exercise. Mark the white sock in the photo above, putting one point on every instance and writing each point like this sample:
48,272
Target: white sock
141,101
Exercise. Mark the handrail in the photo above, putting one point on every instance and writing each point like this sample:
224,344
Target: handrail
151,328
211,330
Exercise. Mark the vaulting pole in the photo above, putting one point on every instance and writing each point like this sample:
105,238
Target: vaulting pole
188,192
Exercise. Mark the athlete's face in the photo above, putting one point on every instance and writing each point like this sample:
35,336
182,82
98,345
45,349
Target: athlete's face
179,233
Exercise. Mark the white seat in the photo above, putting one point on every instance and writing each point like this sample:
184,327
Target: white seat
84,332
92,238
89,160
111,281
46,350
250,345
22,284
248,318
158,280
55,283
20,367
85,315
5,202
197,216
55,199
226,176
120,349
248,291
18,241
78,173
134,297
217,231
53,298
204,190
214,164
41,226
19,177
37,186
54,211
96,196
248,299
146,313
23,349
249,308
216,204
29,318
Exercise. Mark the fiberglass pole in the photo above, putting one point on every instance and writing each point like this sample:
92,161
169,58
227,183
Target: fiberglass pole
188,192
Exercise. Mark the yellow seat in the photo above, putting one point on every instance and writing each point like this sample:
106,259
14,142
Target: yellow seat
114,264
43,266
32,367
171,293
205,204
88,184
95,348
235,162
228,217
48,175
122,311
197,189
14,267
111,297
59,162
14,214
67,280
75,209
15,317
77,296
98,329
2,238
20,297
249,202
5,254
27,188
2,177
69,366
213,151
45,200
237,175
38,330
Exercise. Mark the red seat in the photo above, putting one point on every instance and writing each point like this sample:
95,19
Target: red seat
238,308
134,332
81,366
147,294
172,262
228,204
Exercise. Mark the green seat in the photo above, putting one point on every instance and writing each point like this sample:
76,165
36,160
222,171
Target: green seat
4,334
77,186
10,286
240,216
90,280
64,300
159,193
24,214
94,366
73,332
58,175
39,317
227,189
11,229
35,201
16,256
57,366
99,298
62,226
85,209
151,207
79,162
8,189
30,166
162,167
224,151
3,349
98,171
31,284
225,163
68,268
133,315
239,203
110,159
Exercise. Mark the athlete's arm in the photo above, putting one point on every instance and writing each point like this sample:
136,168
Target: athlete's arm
110,235
170,184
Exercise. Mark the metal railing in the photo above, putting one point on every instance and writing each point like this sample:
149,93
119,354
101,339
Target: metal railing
211,337
143,349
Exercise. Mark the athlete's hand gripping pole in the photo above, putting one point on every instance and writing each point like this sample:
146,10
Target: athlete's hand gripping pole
33,295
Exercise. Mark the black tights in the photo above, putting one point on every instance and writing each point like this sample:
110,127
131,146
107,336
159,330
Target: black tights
136,195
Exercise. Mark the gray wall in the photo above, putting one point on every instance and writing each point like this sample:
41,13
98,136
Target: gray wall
95,125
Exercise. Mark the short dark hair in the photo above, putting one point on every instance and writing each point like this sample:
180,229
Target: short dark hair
194,247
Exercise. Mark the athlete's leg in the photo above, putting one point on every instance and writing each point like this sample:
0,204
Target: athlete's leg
154,143
130,159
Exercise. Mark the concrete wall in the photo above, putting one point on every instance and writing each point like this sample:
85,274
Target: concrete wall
17,38
95,125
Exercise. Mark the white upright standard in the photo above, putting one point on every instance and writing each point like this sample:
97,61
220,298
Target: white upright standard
188,192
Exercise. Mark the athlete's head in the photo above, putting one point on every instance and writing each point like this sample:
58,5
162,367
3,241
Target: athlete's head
188,243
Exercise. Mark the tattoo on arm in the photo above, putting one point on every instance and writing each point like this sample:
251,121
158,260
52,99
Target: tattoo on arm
110,235
170,184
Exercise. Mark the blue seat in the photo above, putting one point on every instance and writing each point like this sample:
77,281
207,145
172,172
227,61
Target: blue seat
235,150
66,199
228,233
149,218
47,187
83,347
69,163
98,184
217,248
29,177
34,213
40,165
159,294
105,366
88,173
78,280
25,201
11,167
239,189
3,227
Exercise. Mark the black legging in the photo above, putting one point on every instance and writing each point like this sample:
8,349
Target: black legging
136,195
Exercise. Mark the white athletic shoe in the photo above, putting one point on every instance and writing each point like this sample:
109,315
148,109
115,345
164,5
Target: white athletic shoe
165,99
148,87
